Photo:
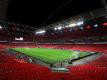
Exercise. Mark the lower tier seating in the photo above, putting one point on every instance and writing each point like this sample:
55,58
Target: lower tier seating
12,69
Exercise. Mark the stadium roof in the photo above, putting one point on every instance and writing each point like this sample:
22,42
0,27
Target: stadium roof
43,12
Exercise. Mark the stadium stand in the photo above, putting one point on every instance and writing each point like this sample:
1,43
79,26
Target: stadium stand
85,39
12,69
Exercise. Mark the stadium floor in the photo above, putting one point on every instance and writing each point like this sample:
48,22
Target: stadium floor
51,56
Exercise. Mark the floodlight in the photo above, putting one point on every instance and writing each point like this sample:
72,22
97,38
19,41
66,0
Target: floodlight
55,28
1,27
96,25
40,32
80,23
21,38
72,25
59,28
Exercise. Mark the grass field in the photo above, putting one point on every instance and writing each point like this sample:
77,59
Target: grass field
50,56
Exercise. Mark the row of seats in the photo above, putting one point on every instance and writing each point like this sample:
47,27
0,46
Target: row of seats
10,45
95,70
11,69
81,47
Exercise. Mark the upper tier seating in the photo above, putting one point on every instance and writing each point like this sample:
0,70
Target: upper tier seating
81,47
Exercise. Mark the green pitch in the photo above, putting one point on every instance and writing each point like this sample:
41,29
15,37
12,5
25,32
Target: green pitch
50,56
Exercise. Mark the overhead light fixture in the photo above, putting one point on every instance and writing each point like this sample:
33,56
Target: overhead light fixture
80,23
1,27
19,38
72,25
96,25
75,24
58,28
40,32
55,28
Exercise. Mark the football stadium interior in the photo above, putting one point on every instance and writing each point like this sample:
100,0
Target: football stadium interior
71,49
